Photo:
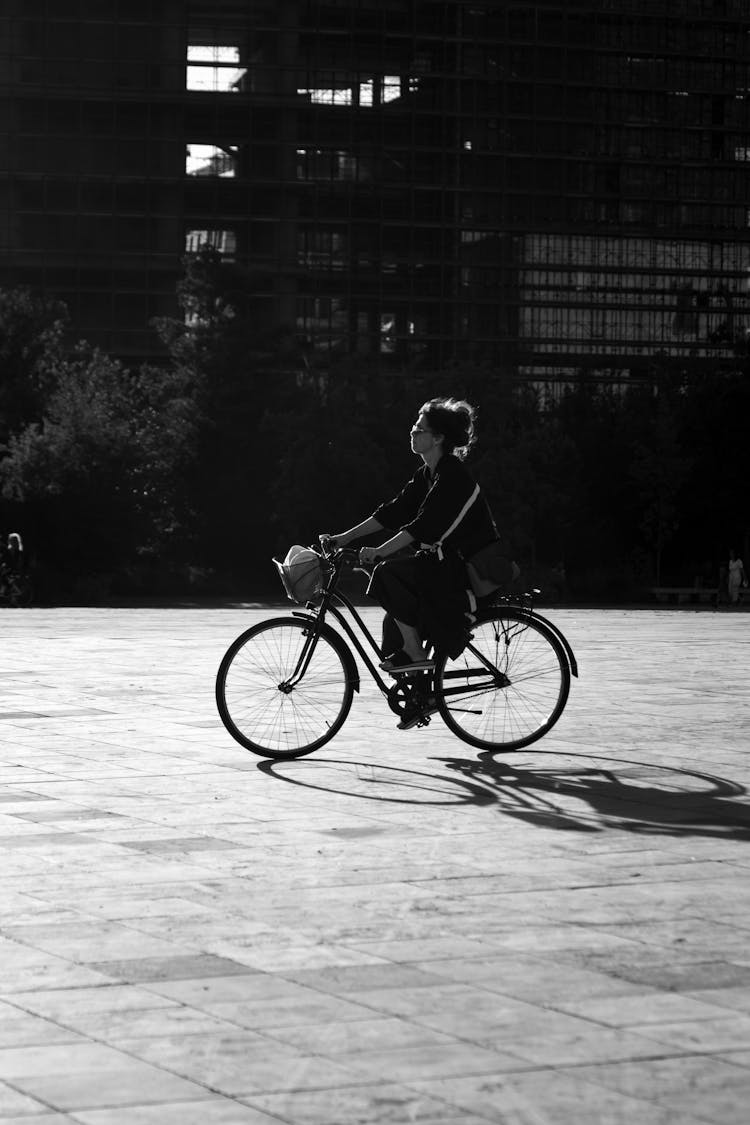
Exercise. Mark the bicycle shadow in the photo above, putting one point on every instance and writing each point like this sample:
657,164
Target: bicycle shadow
374,781
620,793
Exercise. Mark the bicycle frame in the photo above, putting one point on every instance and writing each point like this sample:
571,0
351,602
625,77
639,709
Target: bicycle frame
328,605
318,614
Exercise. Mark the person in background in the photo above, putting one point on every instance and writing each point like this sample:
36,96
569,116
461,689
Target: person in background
14,557
736,578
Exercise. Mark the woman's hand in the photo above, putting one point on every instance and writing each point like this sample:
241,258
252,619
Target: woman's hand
327,544
368,556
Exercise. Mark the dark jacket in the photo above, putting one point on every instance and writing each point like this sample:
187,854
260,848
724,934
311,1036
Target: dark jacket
427,507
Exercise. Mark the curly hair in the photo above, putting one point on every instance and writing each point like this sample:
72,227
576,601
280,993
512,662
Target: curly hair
455,419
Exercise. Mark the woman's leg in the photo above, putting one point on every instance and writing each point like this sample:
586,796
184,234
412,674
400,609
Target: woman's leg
395,586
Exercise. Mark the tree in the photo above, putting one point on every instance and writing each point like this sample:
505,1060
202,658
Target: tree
31,347
96,476
236,369
337,453
658,469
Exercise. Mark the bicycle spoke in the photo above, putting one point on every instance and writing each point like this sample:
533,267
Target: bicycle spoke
281,691
508,713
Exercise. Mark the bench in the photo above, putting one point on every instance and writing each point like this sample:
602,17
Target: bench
685,595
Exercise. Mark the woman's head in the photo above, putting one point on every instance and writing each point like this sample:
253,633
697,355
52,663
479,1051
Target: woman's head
454,419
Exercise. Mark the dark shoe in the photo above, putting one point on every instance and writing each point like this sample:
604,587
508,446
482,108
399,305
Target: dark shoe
399,663
418,716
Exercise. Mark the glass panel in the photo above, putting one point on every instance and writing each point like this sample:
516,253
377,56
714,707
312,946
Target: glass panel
213,68
210,160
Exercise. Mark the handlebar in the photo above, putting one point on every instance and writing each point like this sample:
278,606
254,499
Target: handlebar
351,554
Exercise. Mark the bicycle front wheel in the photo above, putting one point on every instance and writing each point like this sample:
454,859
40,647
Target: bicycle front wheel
510,684
283,689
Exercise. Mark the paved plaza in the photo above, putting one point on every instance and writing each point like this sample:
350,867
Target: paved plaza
394,930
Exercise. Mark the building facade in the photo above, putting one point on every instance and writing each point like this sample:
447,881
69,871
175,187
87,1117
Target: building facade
551,187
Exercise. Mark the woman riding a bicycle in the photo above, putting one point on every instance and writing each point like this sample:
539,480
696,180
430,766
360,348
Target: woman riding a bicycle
498,675
443,511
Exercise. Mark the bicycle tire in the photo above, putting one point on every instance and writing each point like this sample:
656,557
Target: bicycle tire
475,703
268,718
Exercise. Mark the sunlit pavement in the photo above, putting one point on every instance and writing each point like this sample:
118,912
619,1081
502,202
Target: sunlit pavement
391,930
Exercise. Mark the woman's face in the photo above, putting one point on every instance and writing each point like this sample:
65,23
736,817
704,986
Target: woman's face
422,438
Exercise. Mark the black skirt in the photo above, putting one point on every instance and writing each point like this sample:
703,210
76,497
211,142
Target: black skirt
428,593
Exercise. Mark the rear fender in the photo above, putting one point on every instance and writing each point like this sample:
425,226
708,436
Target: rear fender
563,641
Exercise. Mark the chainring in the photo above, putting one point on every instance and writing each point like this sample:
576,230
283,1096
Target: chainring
406,695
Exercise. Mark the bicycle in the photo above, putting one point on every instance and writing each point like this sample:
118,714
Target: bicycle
285,686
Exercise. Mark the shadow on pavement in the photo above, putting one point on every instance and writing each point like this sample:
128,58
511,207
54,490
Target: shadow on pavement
375,782
599,794
629,795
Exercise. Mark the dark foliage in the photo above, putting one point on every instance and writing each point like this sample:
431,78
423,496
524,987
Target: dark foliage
236,448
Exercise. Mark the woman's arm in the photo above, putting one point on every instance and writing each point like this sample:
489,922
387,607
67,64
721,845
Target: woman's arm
397,543
367,527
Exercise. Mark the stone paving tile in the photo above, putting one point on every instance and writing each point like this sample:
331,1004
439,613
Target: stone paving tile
107,1014
677,1080
529,978
306,1007
173,966
737,1058
405,1064
718,1034
117,1087
211,1111
658,972
374,1104
40,1118
644,1008
96,943
387,918
344,979
282,957
31,969
371,1033
735,999
555,1097
236,1062
16,1104
19,1028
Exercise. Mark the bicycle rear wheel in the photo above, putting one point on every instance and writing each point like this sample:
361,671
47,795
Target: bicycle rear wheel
282,691
510,684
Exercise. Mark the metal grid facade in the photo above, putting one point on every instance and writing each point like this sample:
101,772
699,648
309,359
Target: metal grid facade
547,186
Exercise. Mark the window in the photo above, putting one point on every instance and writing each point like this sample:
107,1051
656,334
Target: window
336,91
342,89
211,160
391,87
213,68
223,241
321,249
388,341
324,321
326,164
